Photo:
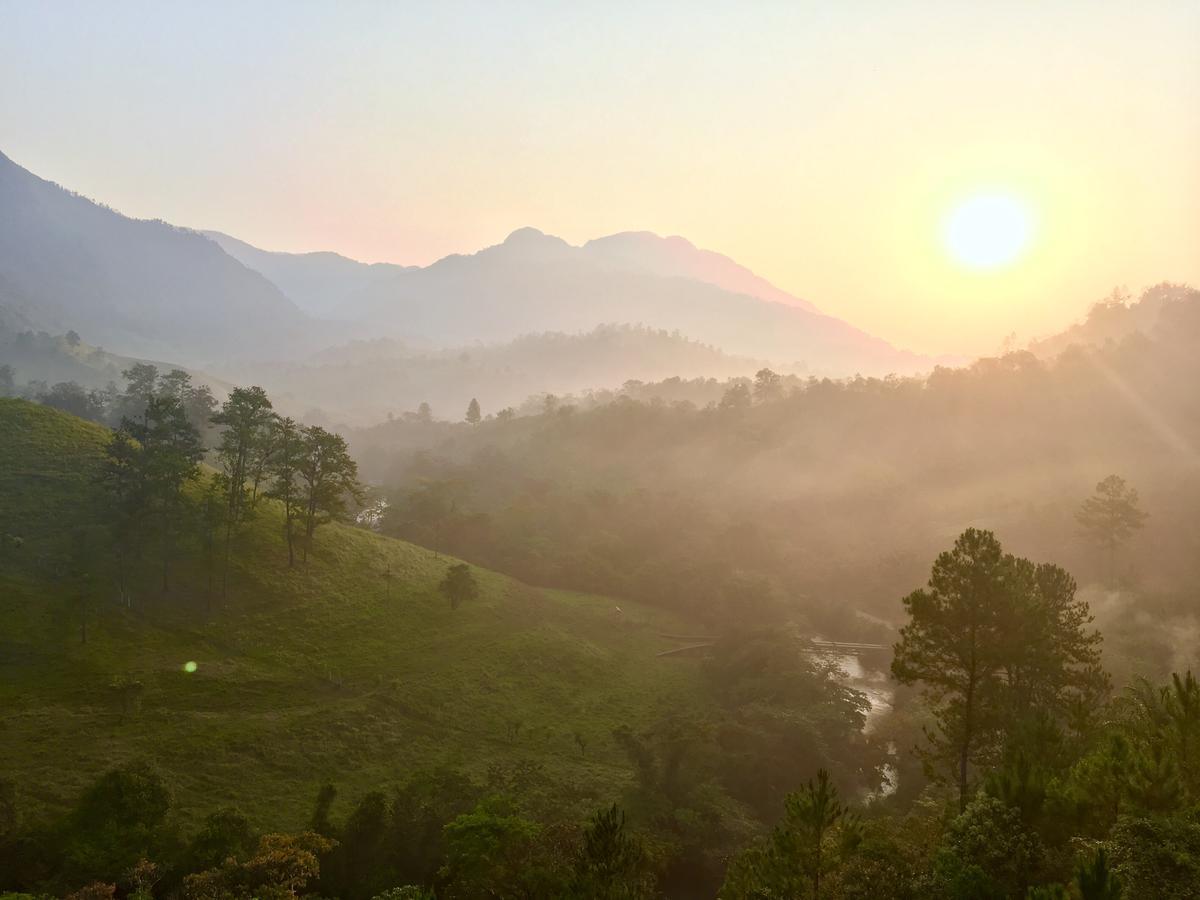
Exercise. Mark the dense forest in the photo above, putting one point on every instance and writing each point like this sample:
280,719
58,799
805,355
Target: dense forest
583,648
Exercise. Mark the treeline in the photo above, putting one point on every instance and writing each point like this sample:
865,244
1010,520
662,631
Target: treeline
109,404
155,491
440,834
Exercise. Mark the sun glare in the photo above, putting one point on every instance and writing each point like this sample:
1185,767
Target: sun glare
987,231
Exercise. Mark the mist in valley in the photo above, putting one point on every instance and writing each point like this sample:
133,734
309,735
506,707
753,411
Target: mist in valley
788,511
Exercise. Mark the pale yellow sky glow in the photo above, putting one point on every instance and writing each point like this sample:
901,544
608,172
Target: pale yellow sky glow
827,146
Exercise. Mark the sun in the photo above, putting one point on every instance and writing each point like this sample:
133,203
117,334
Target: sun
987,230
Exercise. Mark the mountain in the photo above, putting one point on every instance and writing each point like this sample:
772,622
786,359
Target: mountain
319,283
150,289
535,282
142,287
680,258
358,653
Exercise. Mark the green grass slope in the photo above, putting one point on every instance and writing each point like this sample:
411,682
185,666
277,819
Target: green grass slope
335,671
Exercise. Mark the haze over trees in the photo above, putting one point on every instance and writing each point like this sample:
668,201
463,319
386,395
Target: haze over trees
621,610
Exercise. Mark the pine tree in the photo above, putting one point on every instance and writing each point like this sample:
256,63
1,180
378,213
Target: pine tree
473,414
1096,881
954,643
995,639
1110,517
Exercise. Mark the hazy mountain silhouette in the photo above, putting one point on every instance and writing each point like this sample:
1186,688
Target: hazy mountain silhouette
320,283
679,257
147,288
537,282
143,287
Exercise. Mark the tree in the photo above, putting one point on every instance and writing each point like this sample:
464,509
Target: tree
222,834
244,416
492,851
1099,782
812,813
71,397
280,868
1096,880
1053,664
1110,517
459,585
993,639
170,457
141,383
817,833
283,475
358,867
118,821
986,853
954,643
767,386
610,864
1182,704
197,400
121,478
1156,857
262,454
328,478
737,396
473,414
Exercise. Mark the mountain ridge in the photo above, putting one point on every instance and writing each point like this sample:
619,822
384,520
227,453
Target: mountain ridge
147,287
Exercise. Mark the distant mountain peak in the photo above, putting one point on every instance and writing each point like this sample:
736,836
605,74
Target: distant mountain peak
676,256
533,238
526,233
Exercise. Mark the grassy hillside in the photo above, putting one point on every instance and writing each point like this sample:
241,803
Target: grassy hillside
335,671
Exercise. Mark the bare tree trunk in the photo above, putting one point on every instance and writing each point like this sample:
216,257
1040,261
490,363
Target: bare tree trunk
965,748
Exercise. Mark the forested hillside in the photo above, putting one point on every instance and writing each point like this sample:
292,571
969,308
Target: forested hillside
819,495
359,667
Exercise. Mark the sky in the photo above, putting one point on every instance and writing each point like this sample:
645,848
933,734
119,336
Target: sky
876,158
